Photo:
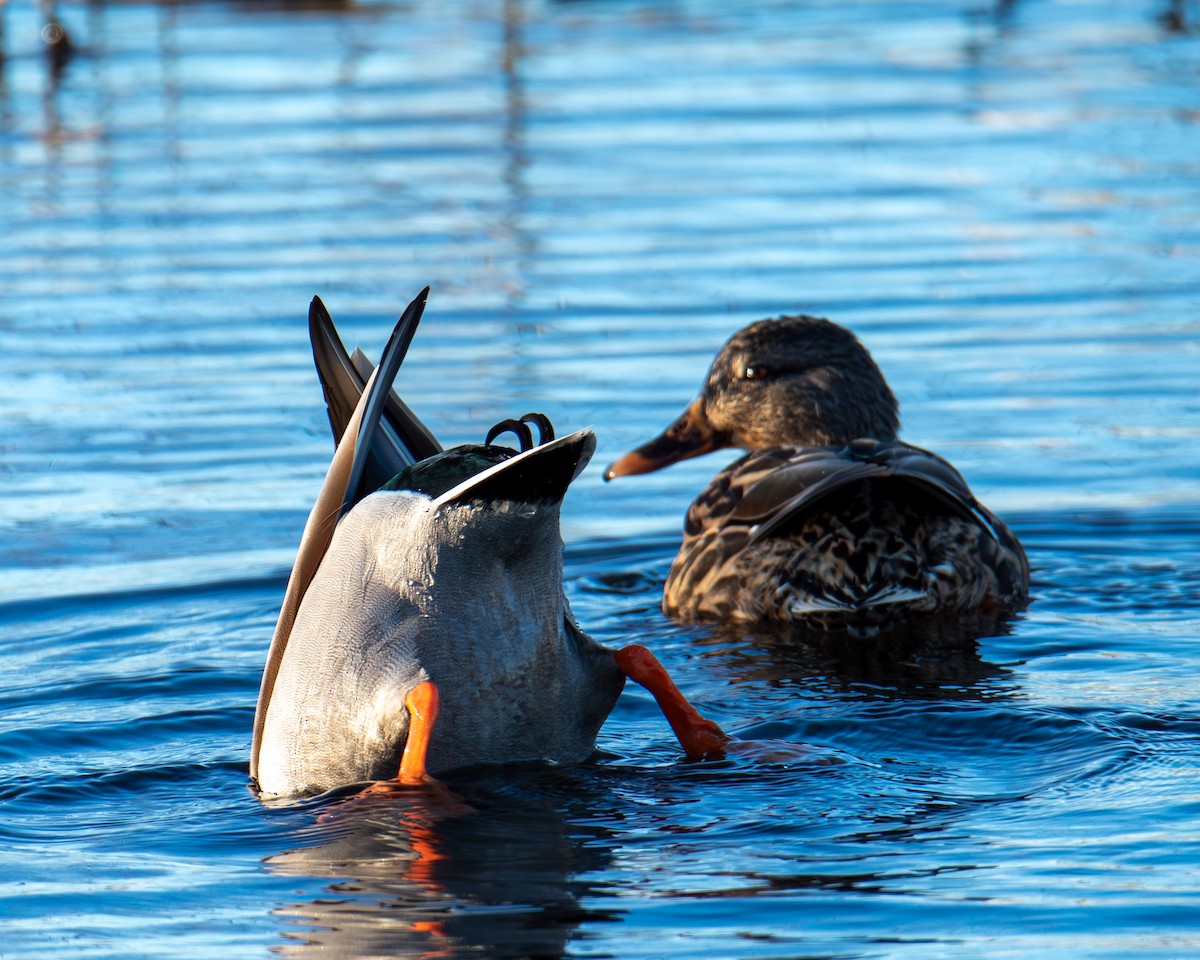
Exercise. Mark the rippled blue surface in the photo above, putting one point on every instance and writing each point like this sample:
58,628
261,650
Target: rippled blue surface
1003,201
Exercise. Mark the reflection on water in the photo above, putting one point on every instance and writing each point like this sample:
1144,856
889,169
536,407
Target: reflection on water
934,657
413,880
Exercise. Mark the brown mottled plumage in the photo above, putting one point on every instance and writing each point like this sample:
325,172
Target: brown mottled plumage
830,513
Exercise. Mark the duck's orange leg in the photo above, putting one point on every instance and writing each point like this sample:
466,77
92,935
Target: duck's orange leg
700,738
422,706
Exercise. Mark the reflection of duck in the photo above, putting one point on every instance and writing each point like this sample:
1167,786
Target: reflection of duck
404,881
829,513
931,657
424,578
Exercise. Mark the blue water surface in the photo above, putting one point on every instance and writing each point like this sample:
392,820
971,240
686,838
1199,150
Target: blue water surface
1001,199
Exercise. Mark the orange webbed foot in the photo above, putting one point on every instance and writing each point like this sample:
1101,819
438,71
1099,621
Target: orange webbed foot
423,704
700,738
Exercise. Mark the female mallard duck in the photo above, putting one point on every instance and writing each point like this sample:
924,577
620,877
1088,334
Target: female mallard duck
829,513
425,626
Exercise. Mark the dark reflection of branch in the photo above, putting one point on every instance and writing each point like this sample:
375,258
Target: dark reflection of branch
169,55
59,50
1003,12
414,877
1177,18
933,657
993,22
254,6
516,159
57,42
6,114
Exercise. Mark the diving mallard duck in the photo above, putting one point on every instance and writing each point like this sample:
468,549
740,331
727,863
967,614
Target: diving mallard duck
424,626
829,513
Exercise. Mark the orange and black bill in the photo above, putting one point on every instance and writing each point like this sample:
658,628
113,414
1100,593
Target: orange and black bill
690,436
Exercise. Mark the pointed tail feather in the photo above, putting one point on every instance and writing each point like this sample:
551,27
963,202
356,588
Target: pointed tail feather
398,438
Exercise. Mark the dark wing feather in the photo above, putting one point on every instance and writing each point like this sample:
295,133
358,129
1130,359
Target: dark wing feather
400,439
810,475
376,452
938,477
797,487
341,382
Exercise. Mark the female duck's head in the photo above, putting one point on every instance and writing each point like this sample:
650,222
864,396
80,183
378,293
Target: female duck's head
793,381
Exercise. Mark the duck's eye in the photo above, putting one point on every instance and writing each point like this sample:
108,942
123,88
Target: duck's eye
756,371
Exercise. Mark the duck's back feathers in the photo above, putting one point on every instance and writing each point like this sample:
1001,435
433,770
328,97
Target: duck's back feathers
868,526
798,479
